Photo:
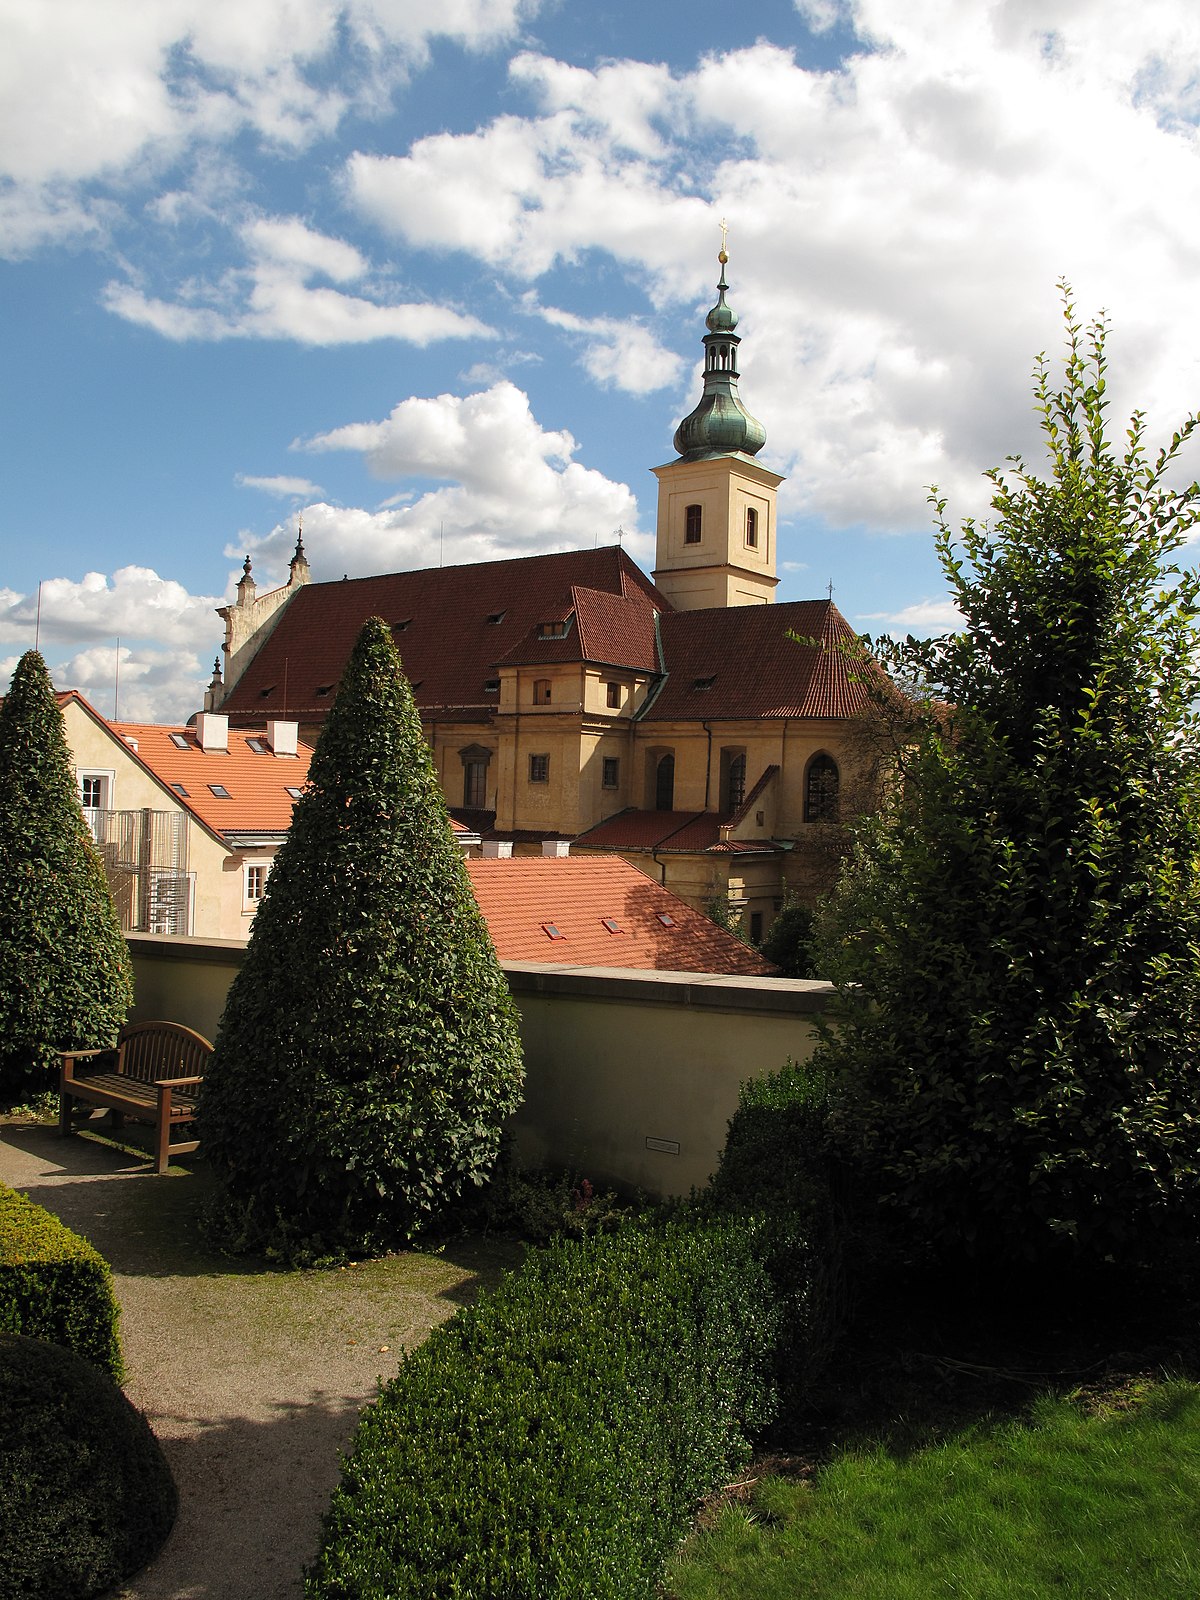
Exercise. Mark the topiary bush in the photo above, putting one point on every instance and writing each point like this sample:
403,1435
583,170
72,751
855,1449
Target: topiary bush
789,940
55,1286
86,1496
66,981
552,1442
369,1049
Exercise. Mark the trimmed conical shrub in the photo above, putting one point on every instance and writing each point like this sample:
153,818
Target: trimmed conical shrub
369,1049
65,975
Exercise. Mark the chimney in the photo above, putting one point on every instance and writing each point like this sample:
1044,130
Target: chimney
556,848
212,730
497,849
281,736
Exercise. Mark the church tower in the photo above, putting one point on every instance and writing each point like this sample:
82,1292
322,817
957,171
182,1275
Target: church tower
716,505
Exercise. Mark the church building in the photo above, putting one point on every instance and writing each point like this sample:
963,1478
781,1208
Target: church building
687,722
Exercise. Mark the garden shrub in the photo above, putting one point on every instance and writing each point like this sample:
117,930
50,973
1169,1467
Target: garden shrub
86,1497
552,1442
789,940
66,980
54,1285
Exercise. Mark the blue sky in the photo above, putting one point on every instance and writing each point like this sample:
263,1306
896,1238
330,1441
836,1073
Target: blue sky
438,286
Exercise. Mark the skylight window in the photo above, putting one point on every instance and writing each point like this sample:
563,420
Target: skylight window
180,790
323,689
399,627
551,931
497,616
293,791
263,693
611,924
665,917
180,741
259,746
219,789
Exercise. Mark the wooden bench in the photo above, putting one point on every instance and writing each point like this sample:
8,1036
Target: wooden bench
153,1074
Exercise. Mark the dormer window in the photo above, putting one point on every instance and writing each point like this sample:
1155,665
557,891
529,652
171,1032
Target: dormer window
492,686
496,618
554,630
399,627
263,693
693,520
323,689
704,683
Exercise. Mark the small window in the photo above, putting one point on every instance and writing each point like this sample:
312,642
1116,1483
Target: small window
180,741
541,691
553,630
256,883
612,692
496,617
399,627
610,772
263,693
551,931
704,683
693,519
92,790
259,746
492,686
539,769
665,917
751,528
611,924
821,786
180,791
219,789
323,689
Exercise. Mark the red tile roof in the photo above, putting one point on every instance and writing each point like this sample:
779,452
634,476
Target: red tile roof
257,784
667,830
444,628
739,662
574,894
612,629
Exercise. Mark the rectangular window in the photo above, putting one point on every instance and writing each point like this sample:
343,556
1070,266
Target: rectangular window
256,883
613,696
219,789
475,784
693,518
751,527
541,692
611,772
93,793
539,769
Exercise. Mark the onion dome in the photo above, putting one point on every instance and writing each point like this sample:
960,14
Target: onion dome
720,425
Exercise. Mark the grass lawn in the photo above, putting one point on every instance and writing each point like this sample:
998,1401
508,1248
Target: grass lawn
1098,1500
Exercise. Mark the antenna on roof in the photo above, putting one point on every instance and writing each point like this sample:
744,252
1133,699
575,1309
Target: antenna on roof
116,678
831,588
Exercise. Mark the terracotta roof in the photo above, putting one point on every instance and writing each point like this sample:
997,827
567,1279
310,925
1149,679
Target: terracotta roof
522,896
452,625
737,662
256,784
667,830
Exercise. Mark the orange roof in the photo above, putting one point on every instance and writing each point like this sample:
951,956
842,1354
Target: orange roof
578,897
233,791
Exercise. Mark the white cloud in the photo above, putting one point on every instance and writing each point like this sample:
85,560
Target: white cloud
925,618
148,685
272,298
108,93
618,351
507,487
898,224
134,604
284,487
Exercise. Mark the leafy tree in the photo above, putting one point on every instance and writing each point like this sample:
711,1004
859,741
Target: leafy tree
788,941
369,1049
1017,935
66,981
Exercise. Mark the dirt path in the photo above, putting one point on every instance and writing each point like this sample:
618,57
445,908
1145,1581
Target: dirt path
251,1379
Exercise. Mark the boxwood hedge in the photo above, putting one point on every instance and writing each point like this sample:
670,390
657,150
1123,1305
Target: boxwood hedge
54,1286
552,1442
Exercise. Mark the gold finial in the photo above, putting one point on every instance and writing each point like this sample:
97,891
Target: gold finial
724,227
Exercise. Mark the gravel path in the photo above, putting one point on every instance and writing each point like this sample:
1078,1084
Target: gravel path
251,1379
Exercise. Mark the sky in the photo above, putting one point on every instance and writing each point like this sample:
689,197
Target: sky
433,279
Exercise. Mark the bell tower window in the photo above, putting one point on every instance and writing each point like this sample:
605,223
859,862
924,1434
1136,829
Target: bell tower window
693,518
751,528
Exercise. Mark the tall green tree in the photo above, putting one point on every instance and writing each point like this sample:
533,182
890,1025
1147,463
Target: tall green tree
369,1051
66,981
1017,935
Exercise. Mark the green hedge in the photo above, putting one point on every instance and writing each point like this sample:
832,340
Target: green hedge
552,1442
54,1285
86,1497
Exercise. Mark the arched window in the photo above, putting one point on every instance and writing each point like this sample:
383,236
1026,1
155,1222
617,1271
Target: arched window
692,518
735,781
821,785
664,784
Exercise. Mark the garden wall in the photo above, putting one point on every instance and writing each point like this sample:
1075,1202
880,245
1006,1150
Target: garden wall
631,1077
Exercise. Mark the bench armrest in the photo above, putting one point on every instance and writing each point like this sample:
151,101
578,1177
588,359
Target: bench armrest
68,1058
175,1083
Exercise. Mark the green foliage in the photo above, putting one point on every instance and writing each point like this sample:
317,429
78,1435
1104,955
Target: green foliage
789,940
86,1497
719,911
369,1049
544,1203
54,1285
552,1442
1017,937
66,981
